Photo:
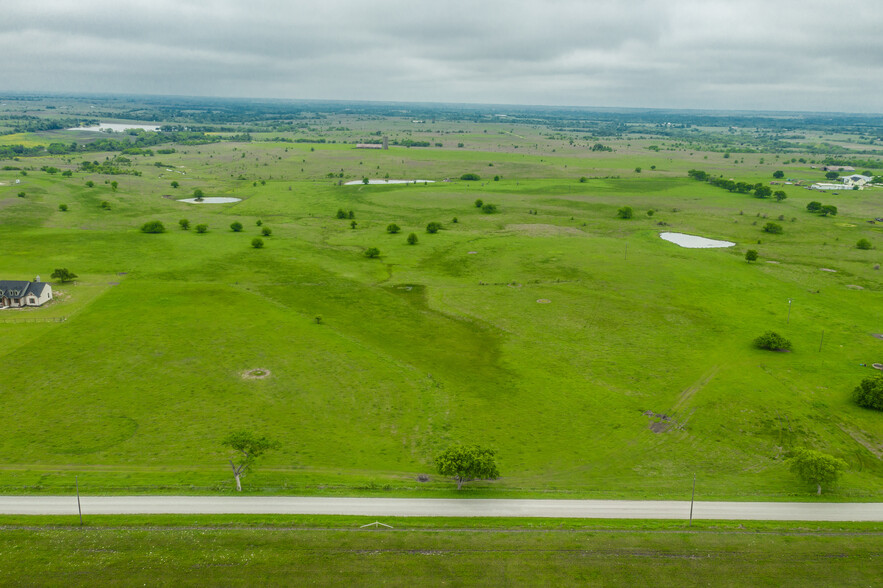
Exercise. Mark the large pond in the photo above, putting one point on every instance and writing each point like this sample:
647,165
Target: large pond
212,200
694,242
115,127
356,182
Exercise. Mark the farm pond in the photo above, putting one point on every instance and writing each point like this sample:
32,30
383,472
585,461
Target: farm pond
693,241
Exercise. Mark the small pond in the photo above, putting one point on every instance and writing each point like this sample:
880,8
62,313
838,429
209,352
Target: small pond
115,127
373,182
694,242
212,200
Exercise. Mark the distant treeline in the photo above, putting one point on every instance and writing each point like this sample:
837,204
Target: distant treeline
137,142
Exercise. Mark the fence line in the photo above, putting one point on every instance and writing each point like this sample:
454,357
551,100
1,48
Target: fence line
41,319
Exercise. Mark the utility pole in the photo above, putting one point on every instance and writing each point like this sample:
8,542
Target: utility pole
789,312
79,509
821,340
692,497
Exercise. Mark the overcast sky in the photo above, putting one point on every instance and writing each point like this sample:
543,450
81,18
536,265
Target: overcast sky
727,54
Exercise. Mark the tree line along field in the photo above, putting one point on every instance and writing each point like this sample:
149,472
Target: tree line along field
596,358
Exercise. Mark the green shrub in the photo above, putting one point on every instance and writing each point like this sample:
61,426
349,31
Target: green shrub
266,231
393,228
154,226
62,207
433,227
202,228
236,226
625,212
479,203
470,177
412,239
489,208
372,252
773,342
869,394
863,244
751,255
184,224
257,242
774,228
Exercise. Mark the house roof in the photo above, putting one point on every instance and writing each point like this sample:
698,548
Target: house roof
21,288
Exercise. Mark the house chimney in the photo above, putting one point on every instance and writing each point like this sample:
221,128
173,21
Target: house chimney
37,279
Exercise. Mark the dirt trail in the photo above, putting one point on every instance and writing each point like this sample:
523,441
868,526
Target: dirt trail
698,385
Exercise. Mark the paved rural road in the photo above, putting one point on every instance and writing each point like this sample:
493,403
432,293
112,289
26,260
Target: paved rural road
439,507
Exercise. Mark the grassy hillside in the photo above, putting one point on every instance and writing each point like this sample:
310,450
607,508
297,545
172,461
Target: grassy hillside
552,330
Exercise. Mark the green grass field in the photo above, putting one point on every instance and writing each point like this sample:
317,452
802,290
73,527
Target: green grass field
184,551
444,340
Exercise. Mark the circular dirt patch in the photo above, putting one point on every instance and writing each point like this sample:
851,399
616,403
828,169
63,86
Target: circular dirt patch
255,374
543,301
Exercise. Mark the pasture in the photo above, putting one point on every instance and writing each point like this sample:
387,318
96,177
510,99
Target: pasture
635,373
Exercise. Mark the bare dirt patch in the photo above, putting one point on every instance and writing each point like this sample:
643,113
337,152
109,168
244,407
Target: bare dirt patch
255,374
877,335
542,230
543,301
854,287
827,269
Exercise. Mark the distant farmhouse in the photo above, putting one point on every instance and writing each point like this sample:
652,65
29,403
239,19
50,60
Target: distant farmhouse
824,187
19,293
857,180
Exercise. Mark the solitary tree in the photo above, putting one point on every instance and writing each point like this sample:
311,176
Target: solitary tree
815,467
433,227
412,239
393,228
185,224
248,447
372,252
236,226
479,203
202,228
778,174
467,462
773,342
365,181
175,184
625,212
779,195
266,231
774,228
257,242
90,184
114,185
153,226
62,207
62,274
198,195
869,393
751,255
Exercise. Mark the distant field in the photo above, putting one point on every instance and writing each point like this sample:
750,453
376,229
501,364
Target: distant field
445,340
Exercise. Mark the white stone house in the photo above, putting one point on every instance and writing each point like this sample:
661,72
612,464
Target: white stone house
19,293
857,180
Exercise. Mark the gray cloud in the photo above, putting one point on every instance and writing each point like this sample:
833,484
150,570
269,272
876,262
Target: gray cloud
751,54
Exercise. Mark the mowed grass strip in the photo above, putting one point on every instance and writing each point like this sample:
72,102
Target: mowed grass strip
208,555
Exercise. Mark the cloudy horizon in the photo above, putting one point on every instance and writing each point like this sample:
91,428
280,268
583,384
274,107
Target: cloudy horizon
675,54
